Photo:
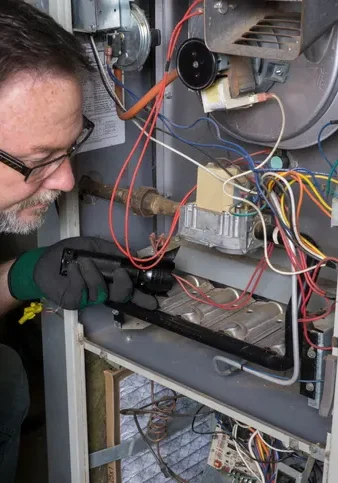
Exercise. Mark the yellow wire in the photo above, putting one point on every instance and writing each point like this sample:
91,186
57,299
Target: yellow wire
321,176
312,186
304,240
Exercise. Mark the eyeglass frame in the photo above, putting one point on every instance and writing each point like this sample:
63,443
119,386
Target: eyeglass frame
20,166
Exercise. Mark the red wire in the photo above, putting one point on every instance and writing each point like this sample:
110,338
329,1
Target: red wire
263,151
313,288
153,115
309,341
160,253
158,104
245,296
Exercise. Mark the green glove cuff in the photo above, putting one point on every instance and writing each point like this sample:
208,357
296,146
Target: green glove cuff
101,298
21,276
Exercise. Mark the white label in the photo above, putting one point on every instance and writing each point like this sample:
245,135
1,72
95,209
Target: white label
101,110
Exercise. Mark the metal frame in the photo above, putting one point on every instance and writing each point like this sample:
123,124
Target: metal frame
331,467
64,346
74,466
286,438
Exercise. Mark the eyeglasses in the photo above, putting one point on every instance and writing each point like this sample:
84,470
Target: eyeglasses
44,170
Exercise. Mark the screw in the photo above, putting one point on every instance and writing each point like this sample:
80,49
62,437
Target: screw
115,312
311,353
222,6
279,72
293,444
168,95
314,449
128,338
103,355
93,27
310,387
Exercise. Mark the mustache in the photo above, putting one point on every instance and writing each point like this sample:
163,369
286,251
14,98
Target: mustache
46,197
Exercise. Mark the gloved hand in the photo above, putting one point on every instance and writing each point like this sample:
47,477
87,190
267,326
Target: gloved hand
36,274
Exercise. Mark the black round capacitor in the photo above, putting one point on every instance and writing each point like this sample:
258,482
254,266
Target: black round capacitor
196,64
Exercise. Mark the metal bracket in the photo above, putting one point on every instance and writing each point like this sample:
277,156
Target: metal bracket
132,446
268,72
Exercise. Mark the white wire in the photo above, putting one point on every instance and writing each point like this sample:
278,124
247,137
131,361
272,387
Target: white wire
244,426
260,471
271,447
109,85
293,211
265,238
196,163
295,339
240,453
267,159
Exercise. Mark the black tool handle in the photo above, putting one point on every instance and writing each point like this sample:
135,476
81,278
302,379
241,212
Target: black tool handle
157,280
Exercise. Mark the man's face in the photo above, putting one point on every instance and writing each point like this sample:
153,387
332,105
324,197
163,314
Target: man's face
40,119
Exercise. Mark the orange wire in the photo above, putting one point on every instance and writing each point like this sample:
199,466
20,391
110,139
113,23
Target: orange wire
145,100
152,117
264,151
154,114
313,198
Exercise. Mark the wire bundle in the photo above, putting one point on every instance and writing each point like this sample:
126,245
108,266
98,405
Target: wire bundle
256,449
280,193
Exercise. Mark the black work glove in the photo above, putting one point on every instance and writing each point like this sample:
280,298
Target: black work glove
36,274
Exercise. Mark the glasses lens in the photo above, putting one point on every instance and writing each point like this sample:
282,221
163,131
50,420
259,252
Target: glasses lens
41,172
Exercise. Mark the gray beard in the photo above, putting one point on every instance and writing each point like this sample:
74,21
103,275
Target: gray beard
11,222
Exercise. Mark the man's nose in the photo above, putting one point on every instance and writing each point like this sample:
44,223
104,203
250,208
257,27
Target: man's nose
61,179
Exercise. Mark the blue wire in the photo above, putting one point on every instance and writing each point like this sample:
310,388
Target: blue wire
227,145
236,147
300,170
272,479
320,146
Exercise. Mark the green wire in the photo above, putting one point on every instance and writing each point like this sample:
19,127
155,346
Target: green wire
329,179
249,213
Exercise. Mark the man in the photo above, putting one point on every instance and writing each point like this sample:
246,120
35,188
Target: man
41,128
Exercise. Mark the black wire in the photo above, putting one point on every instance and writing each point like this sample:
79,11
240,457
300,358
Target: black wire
165,469
145,439
164,131
237,440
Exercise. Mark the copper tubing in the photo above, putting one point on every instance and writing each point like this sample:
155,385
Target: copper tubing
145,200
146,99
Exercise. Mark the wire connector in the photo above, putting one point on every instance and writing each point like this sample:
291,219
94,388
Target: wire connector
218,97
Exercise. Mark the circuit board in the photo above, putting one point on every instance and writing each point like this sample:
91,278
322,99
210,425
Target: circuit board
224,457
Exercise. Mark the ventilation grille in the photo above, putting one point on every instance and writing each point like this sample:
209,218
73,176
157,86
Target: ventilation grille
279,31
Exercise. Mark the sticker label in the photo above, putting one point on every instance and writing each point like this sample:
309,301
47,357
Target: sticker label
101,110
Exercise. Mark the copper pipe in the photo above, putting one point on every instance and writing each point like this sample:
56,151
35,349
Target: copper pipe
145,200
146,99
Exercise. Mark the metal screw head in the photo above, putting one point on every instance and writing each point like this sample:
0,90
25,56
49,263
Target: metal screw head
279,72
115,312
103,355
221,6
93,27
310,387
128,338
314,449
168,95
311,353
